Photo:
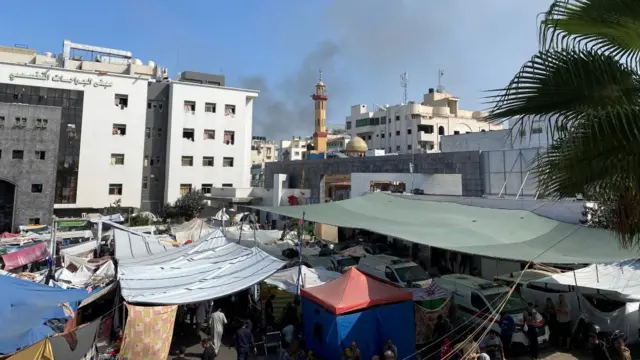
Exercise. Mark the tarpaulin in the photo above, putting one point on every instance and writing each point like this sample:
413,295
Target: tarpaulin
426,320
39,351
148,332
26,256
75,344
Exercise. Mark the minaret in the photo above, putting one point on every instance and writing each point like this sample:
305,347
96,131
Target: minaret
320,133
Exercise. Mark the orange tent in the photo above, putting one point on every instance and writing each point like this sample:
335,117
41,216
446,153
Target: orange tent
354,291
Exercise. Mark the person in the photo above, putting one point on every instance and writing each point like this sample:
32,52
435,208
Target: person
208,353
244,342
563,317
269,317
623,350
441,333
549,314
507,328
218,321
493,346
598,348
390,347
531,323
389,355
181,354
352,352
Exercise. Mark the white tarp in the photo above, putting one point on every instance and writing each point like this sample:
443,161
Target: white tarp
287,279
131,244
622,278
81,248
203,270
193,230
246,233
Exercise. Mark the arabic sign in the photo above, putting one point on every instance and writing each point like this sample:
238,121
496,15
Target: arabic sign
45,76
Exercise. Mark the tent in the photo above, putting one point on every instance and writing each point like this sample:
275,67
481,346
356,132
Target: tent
193,230
497,233
25,256
356,307
206,269
287,279
24,308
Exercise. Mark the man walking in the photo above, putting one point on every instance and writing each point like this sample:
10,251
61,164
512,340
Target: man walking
244,342
218,321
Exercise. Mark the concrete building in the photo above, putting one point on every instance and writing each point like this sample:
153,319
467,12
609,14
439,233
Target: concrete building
413,127
122,129
536,135
263,150
337,143
294,149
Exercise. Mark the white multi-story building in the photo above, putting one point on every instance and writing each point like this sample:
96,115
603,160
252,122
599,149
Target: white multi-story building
413,127
337,143
127,133
263,150
294,149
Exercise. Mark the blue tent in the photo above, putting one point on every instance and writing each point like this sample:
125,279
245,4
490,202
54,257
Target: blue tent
24,308
357,308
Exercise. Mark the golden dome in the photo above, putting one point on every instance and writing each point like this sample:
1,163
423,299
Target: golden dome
357,145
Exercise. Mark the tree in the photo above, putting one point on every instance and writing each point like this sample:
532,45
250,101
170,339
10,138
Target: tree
190,204
584,82
114,208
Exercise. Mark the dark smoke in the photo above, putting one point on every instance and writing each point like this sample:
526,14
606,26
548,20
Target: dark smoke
286,109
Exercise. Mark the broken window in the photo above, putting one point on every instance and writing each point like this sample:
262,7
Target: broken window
229,110
190,106
122,101
188,134
36,188
229,137
40,155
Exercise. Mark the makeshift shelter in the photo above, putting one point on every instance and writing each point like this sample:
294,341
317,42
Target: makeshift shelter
287,279
207,269
356,307
193,230
497,233
25,256
39,351
24,308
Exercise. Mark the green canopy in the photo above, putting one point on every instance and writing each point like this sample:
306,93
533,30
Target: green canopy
497,233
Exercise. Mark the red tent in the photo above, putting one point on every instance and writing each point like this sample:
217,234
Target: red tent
354,291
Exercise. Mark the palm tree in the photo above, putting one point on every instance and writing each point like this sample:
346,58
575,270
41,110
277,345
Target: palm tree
584,82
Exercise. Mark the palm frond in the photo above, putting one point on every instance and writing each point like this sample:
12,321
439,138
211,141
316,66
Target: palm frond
561,87
609,26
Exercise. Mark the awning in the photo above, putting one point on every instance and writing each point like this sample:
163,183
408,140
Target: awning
207,269
498,233
25,256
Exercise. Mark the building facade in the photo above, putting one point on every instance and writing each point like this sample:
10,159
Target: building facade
294,149
413,127
263,150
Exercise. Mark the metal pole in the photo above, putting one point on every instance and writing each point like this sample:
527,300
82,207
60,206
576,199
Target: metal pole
54,246
300,252
522,185
99,237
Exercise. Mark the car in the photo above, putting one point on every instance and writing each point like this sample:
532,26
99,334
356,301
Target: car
477,300
417,191
400,272
342,263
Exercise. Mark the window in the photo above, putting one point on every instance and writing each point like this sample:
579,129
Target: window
206,188
427,129
145,162
390,275
187,161
155,105
456,132
536,130
478,302
409,131
207,161
188,134
34,221
117,159
147,133
209,134
17,154
115,189
40,155
397,117
368,137
227,162
383,120
122,101
382,135
229,137
190,106
1,121
45,122
348,125
119,129
36,188
158,133
184,189
440,130
397,132
229,110
209,107
145,182
227,185
397,147
41,123
157,161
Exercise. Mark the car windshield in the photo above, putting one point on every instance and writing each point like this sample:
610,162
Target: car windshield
514,305
411,273
348,261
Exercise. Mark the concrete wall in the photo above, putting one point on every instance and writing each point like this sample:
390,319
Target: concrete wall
495,140
510,166
30,169
308,173
440,184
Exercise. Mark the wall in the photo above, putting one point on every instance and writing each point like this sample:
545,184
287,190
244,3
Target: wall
239,175
155,145
493,140
308,173
440,184
97,143
510,166
30,170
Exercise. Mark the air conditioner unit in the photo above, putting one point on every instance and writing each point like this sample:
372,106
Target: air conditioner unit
84,215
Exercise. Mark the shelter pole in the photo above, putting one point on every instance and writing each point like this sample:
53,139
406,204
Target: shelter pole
99,236
53,245
597,275
300,235
575,280
522,185
224,213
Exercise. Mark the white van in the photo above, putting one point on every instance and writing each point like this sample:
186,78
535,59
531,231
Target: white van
476,299
389,268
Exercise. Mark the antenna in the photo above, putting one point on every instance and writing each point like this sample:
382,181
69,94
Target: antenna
440,75
404,81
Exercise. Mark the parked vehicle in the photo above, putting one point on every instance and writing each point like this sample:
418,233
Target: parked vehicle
417,191
477,299
342,263
389,268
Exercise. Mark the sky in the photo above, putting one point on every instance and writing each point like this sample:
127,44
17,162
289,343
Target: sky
278,46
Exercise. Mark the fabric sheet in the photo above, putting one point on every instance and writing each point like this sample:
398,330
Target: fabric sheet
77,343
148,332
426,320
25,256
288,279
38,351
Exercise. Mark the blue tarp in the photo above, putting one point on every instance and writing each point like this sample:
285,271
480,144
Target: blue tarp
24,308
327,334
